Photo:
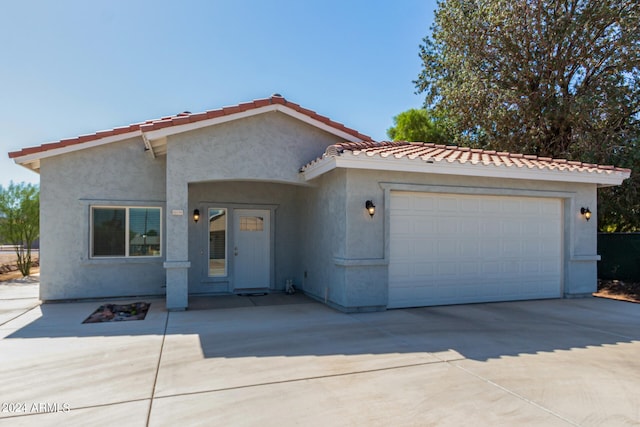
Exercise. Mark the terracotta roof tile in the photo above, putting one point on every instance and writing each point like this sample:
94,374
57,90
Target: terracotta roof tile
185,118
261,103
438,153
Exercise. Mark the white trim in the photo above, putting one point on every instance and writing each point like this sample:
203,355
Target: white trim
147,145
364,262
313,122
75,147
176,264
319,167
173,130
585,258
127,241
362,161
472,191
176,129
226,244
150,136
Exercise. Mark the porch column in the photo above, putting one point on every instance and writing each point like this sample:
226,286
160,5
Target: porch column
177,244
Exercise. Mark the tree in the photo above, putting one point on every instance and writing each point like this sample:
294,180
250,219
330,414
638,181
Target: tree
535,75
619,207
546,77
418,125
20,224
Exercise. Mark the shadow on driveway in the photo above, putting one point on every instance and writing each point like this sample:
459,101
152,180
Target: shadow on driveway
297,326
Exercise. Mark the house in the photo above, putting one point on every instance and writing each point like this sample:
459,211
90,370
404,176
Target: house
244,198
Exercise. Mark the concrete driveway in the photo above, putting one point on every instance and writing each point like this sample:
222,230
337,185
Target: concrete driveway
281,360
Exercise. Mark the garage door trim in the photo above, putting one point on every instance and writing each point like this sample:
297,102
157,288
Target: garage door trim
555,203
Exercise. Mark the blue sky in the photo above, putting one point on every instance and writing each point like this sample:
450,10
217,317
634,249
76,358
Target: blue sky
74,67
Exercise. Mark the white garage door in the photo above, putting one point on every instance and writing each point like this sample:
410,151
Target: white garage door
454,249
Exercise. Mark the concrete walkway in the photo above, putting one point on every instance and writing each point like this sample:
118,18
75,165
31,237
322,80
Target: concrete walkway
285,360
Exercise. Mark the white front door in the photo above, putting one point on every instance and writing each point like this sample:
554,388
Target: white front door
252,249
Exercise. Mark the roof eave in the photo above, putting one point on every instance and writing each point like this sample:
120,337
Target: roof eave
602,179
35,158
319,167
32,160
176,129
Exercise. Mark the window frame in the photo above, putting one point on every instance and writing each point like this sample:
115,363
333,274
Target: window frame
127,242
226,243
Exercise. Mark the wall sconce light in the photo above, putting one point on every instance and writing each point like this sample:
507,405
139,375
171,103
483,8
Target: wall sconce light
586,212
196,215
371,208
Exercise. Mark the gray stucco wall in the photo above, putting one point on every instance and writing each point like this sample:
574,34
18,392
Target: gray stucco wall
362,264
203,167
118,174
324,225
283,200
323,238
270,147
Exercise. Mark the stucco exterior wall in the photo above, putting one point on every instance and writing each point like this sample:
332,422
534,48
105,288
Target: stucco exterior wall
323,238
118,174
288,238
268,147
324,227
364,259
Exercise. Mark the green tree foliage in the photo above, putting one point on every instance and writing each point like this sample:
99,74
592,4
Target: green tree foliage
20,220
619,207
547,77
418,125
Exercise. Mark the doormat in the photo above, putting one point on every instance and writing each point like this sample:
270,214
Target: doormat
119,312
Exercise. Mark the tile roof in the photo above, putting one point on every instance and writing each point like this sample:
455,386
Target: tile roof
187,118
434,153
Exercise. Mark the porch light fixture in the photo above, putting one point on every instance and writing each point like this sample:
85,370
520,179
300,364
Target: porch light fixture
586,212
371,208
196,215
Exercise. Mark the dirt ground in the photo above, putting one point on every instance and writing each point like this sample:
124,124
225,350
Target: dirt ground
9,258
616,289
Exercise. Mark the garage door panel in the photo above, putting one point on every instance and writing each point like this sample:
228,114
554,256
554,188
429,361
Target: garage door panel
424,271
447,249
423,204
470,227
469,248
447,204
490,228
423,228
511,249
403,227
425,250
490,207
446,269
401,251
470,206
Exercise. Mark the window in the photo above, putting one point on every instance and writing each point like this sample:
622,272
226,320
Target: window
217,242
125,232
251,223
